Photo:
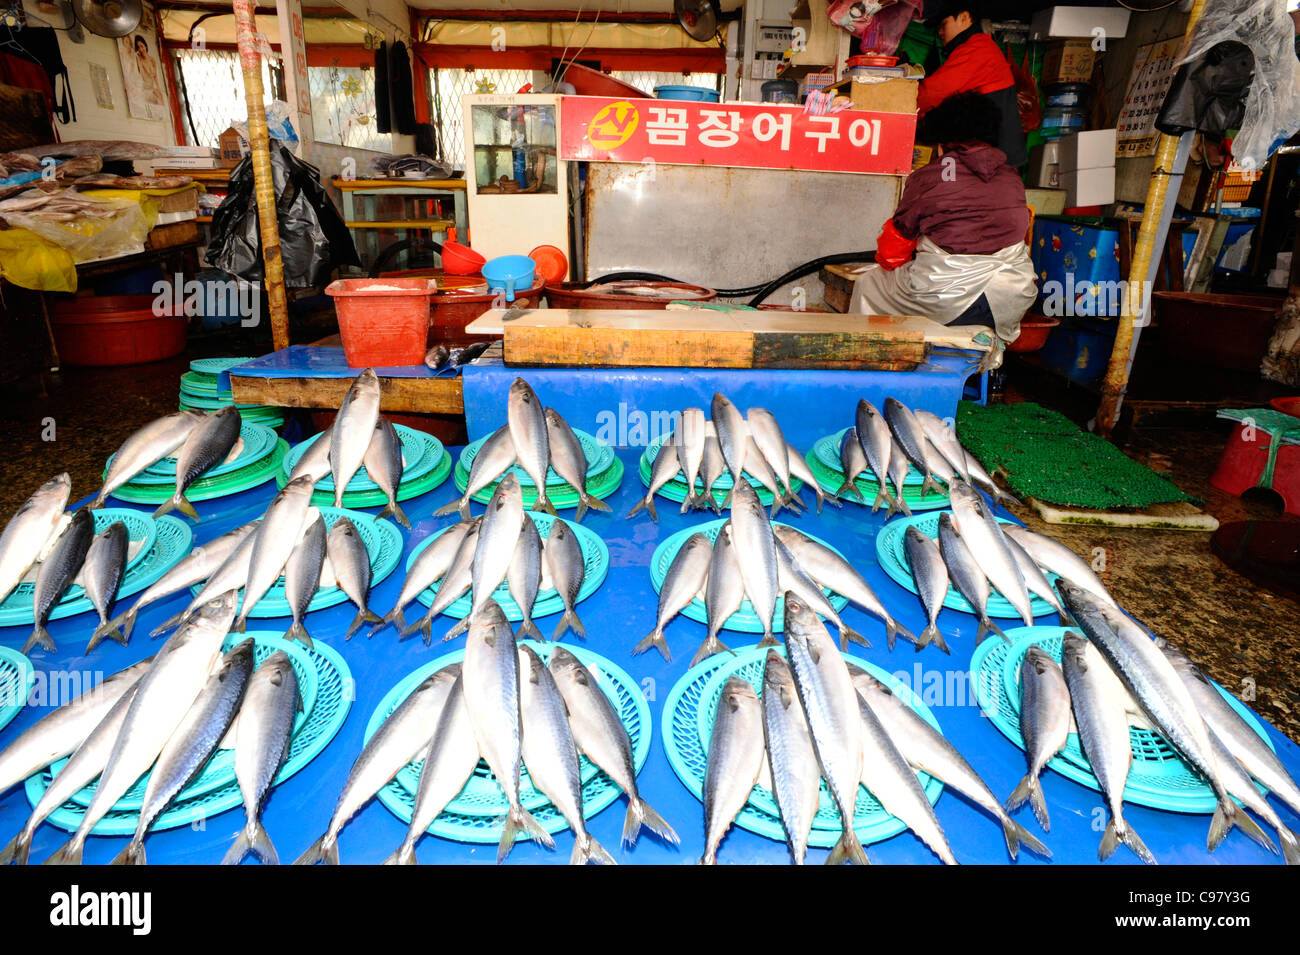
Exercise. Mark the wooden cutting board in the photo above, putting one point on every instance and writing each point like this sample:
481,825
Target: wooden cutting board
707,338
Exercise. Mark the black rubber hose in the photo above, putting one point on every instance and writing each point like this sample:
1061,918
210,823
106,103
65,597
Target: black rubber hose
840,258
652,277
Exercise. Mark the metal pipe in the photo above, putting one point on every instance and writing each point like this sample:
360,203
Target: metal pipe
259,141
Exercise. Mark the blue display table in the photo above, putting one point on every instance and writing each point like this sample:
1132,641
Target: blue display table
619,614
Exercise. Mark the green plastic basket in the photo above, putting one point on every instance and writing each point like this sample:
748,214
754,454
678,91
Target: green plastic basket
600,457
892,555
383,543
422,452
676,490
477,813
746,620
199,384
377,498
595,560
824,462
1157,778
562,496
333,690
215,366
259,443
206,489
17,675
167,541
688,724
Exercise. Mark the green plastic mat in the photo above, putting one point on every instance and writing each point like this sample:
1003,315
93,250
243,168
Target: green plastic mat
1047,456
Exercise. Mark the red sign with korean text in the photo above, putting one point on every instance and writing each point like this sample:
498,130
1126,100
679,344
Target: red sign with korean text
754,135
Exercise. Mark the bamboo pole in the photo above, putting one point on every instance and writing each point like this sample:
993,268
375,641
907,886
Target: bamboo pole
1168,167
250,61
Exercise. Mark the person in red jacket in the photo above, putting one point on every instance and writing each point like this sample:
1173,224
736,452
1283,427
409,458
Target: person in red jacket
954,250
973,63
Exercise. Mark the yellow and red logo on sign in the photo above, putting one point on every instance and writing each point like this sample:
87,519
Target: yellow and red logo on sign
613,125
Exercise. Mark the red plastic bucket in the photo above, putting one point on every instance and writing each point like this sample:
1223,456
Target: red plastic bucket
383,321
115,330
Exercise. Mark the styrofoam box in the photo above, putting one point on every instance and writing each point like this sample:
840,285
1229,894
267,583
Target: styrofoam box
1066,22
1087,149
1089,187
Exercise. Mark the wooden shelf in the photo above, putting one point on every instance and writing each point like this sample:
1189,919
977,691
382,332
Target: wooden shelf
435,224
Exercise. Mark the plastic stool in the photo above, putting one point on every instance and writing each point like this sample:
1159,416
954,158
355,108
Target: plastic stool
1243,464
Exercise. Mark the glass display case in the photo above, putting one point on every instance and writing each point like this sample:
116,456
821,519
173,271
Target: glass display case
514,148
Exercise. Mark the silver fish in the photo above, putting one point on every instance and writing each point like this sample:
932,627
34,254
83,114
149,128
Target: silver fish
102,572
1097,699
563,555
926,749
757,467
436,357
231,575
353,427
155,441
524,576
1235,733
1036,581
831,570
208,444
751,532
771,444
273,542
449,761
1060,560
315,461
495,455
666,467
913,441
984,482
192,743
162,697
854,463
983,535
454,584
383,463
57,573
497,537
790,576
351,562
302,577
690,452
570,461
898,471
723,594
527,425
1044,726
58,734
490,672
551,754
735,760
799,468
872,432
402,737
712,467
430,565
1165,700
834,719
686,576
796,775
261,746
600,734
199,564
886,773
931,576
29,530
944,440
1240,787
966,576
733,435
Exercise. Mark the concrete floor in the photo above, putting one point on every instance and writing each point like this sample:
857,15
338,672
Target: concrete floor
1243,636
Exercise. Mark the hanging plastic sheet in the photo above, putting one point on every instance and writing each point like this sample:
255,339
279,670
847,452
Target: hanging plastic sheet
880,25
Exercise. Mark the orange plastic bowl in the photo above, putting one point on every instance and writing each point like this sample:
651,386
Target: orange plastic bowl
552,264
460,259
1034,330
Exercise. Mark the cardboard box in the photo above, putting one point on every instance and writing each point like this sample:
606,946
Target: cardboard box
1045,165
1087,149
232,147
886,96
1068,61
1045,202
1057,22
1088,187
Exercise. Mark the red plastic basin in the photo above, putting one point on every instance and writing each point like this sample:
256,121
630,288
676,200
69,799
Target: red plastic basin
1034,330
115,330
383,321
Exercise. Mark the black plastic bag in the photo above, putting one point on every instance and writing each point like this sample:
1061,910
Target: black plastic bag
1208,94
313,238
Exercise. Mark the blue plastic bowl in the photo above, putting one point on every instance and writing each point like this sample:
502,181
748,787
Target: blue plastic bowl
510,272
698,93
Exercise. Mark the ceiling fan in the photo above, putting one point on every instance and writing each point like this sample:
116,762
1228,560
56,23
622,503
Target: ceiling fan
110,18
701,19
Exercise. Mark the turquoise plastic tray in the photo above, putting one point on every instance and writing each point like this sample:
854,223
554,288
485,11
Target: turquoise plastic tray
259,444
16,678
333,690
206,489
892,556
169,540
1157,778
422,453
688,723
595,559
199,384
675,490
383,543
745,619
599,457
824,460
477,813
562,496
377,498
215,366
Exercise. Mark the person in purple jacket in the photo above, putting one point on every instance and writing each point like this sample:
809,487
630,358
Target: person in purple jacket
954,250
